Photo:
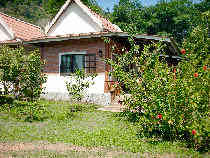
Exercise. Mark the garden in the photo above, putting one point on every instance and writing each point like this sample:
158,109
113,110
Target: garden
167,112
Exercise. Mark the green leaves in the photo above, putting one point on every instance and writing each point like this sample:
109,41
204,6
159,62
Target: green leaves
21,73
179,94
77,83
174,18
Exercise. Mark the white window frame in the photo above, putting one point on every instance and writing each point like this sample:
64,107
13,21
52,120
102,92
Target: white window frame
69,53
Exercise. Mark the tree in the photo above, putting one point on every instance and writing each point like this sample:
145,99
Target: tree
21,73
174,18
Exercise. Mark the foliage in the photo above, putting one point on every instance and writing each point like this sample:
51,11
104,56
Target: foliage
21,73
29,111
174,18
77,83
32,11
170,102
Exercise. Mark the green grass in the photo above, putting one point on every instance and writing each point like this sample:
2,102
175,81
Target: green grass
86,128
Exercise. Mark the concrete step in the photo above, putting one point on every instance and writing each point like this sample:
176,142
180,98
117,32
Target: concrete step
112,108
115,106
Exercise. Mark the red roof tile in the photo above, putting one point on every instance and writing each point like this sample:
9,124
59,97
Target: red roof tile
22,30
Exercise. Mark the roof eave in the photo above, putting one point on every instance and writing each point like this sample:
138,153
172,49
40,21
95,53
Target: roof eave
94,35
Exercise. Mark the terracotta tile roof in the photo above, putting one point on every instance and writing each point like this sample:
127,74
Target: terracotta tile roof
106,24
22,30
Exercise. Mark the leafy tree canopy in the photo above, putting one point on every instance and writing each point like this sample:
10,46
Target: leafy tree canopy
174,18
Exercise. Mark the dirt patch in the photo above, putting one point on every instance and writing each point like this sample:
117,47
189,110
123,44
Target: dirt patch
58,147
6,150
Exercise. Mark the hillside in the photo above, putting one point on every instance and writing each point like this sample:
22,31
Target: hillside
38,12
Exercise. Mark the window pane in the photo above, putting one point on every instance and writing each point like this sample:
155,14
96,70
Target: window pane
65,64
90,63
78,62
70,63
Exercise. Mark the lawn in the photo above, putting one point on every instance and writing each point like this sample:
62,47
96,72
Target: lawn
68,132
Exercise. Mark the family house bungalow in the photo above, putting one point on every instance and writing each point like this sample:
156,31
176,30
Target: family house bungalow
74,39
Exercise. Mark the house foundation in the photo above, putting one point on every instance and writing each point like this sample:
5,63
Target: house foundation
55,89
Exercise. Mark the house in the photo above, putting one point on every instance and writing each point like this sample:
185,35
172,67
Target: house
73,39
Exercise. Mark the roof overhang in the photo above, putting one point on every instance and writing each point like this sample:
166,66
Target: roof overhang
48,39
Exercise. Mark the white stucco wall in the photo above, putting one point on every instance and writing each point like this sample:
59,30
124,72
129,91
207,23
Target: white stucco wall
55,89
74,21
56,83
4,35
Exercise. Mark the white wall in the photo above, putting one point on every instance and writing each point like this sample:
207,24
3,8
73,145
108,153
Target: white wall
56,84
4,35
74,21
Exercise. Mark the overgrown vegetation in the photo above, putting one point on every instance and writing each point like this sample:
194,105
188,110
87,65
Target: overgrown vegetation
87,128
21,81
169,102
42,110
21,73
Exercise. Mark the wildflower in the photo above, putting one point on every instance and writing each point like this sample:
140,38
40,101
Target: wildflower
119,102
170,122
159,116
193,132
183,51
174,70
196,74
205,68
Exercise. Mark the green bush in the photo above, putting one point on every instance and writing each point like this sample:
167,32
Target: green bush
21,73
22,78
6,99
169,102
78,83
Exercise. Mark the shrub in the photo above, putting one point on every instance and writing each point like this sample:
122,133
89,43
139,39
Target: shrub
78,83
170,102
21,73
6,99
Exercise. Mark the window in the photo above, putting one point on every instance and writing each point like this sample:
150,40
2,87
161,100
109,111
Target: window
90,63
69,63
